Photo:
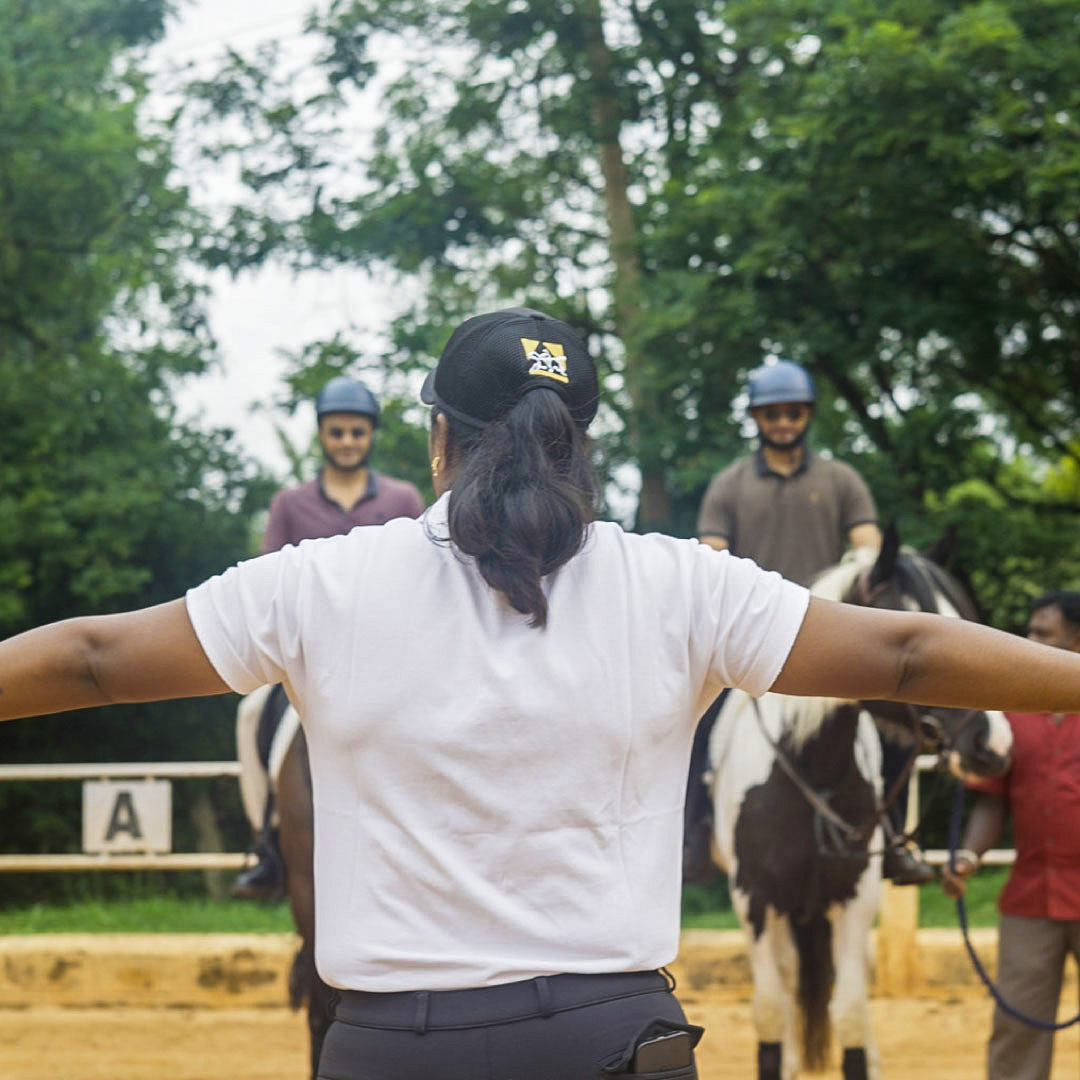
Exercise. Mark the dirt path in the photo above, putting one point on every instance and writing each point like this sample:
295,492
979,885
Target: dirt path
919,1040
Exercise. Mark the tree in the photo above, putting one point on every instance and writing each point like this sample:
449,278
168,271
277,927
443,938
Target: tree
885,192
106,500
889,194
498,175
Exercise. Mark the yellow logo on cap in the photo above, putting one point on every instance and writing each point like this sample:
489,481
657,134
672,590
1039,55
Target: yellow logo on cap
548,359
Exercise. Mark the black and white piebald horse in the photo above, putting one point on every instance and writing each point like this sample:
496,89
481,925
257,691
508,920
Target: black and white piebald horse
797,799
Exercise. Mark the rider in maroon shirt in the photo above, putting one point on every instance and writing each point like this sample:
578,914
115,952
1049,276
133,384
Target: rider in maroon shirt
346,493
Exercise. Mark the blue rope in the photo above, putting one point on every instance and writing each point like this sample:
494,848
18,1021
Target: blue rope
961,914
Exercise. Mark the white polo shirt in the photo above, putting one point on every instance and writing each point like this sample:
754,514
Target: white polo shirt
495,802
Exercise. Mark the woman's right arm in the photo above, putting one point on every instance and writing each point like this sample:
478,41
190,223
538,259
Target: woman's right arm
146,655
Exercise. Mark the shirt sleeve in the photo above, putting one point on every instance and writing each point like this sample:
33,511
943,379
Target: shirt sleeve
747,618
717,514
857,503
246,619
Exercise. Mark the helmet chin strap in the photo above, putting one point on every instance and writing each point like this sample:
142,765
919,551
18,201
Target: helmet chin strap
799,440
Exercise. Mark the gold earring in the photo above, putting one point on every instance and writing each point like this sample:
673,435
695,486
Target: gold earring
435,465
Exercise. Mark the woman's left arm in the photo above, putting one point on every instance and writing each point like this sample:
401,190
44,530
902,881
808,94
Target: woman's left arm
859,653
146,655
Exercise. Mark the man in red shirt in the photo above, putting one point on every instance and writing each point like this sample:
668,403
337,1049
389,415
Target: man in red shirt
1040,904
346,493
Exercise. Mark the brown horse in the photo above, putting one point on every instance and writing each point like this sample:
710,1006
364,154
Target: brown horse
283,765
293,795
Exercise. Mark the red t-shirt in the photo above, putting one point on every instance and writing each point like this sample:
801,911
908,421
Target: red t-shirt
305,512
1043,793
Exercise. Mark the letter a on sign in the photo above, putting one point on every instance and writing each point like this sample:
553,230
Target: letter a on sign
124,818
127,815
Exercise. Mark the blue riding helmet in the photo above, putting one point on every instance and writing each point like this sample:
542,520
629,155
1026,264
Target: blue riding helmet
344,395
776,384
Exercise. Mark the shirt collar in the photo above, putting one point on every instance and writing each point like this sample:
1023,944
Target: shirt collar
762,468
436,518
369,492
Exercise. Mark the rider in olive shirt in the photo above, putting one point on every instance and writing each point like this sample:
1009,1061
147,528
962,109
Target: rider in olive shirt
795,512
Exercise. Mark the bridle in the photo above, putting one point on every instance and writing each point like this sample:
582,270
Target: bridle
850,840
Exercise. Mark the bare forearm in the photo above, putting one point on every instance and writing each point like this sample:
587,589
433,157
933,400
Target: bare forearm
719,543
986,823
147,655
949,662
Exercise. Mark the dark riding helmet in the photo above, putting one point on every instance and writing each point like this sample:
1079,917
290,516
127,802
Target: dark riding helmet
345,395
779,383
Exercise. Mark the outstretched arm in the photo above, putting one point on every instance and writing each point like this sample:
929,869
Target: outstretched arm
146,655
858,653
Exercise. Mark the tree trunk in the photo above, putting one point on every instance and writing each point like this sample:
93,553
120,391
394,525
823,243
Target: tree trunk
654,507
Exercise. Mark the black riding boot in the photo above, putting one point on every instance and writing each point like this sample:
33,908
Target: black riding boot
266,879
900,864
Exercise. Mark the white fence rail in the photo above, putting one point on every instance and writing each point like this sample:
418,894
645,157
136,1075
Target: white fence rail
138,770
225,860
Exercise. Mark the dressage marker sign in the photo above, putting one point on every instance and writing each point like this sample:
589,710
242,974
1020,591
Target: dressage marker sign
127,816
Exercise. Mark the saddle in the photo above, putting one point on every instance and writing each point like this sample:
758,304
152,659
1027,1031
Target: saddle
269,721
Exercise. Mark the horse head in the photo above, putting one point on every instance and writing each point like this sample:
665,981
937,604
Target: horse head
971,742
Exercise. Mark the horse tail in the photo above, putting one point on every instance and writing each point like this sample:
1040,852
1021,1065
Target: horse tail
813,942
300,978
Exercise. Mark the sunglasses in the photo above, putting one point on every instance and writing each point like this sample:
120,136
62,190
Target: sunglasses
336,432
794,413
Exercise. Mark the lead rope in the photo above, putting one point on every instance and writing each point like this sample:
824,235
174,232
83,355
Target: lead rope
961,914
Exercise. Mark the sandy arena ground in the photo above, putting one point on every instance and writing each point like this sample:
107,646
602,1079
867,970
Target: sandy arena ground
919,1040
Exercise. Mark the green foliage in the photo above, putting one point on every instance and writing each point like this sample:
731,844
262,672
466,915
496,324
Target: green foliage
107,502
886,192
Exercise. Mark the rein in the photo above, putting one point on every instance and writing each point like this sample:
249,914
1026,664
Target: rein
961,915
851,835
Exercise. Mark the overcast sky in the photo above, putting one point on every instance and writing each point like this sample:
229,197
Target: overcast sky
256,316
261,313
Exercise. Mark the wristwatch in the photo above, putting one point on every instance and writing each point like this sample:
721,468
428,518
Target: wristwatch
968,856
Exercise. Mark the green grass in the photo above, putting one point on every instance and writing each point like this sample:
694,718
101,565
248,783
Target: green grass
153,915
980,901
704,908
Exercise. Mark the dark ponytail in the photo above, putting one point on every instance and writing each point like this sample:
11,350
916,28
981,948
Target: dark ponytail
522,497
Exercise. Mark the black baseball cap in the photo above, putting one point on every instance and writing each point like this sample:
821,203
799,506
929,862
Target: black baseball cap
492,360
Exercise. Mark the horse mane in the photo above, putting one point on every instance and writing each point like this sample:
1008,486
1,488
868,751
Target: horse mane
803,716
834,582
917,577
